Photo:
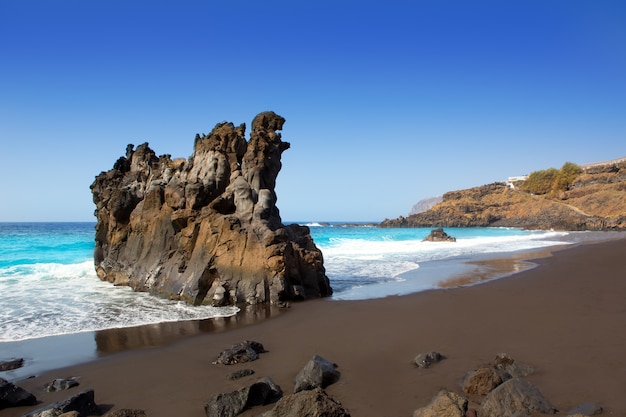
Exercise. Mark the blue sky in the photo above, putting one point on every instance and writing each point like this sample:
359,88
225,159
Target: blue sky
386,102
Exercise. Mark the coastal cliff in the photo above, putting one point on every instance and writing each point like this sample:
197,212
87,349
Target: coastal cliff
593,199
205,229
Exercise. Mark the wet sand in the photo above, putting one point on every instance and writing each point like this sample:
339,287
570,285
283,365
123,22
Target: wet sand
566,318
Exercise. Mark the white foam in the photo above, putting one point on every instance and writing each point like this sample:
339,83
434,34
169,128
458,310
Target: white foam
360,268
53,299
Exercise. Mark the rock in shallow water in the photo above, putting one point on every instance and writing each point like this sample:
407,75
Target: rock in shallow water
11,364
206,229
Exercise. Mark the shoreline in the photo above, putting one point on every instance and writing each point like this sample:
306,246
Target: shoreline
48,353
562,318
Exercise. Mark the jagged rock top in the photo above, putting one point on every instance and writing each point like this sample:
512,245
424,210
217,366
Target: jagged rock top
205,229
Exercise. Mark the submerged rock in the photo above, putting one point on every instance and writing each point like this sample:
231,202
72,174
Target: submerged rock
206,229
61,384
11,364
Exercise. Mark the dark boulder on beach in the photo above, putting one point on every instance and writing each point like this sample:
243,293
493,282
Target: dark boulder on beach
13,396
444,404
265,391
515,397
84,404
246,351
313,403
206,229
61,384
424,360
317,373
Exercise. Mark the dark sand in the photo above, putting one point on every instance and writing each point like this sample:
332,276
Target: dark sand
566,318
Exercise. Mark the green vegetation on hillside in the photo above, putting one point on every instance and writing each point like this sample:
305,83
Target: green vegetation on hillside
551,181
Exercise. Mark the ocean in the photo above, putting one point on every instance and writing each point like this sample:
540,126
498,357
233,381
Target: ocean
48,285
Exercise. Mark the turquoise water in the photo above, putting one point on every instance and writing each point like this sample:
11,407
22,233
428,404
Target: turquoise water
49,286
369,262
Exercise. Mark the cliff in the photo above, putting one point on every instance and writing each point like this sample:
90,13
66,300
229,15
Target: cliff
206,229
594,200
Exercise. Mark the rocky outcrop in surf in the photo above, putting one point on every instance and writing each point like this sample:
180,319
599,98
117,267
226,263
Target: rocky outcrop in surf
205,229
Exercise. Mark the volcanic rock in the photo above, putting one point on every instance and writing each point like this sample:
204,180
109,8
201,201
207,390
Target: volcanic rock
205,229
481,381
13,396
11,364
317,373
444,404
127,412
514,397
246,351
61,384
424,360
83,403
514,368
231,404
313,403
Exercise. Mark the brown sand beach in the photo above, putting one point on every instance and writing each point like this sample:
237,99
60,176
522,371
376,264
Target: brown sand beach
566,318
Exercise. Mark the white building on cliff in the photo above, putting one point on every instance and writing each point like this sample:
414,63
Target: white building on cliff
512,180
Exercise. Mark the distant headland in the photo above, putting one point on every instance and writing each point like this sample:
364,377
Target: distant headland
574,197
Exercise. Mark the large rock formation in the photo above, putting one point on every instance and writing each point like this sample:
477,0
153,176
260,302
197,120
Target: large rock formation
205,229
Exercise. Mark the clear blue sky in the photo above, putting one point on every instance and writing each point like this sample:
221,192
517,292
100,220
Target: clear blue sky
386,102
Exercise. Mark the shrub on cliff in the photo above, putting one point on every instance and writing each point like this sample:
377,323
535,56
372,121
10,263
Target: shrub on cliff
552,180
540,182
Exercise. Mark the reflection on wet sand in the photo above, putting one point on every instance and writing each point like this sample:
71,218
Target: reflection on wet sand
154,335
483,270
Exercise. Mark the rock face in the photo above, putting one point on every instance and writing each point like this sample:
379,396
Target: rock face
206,229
